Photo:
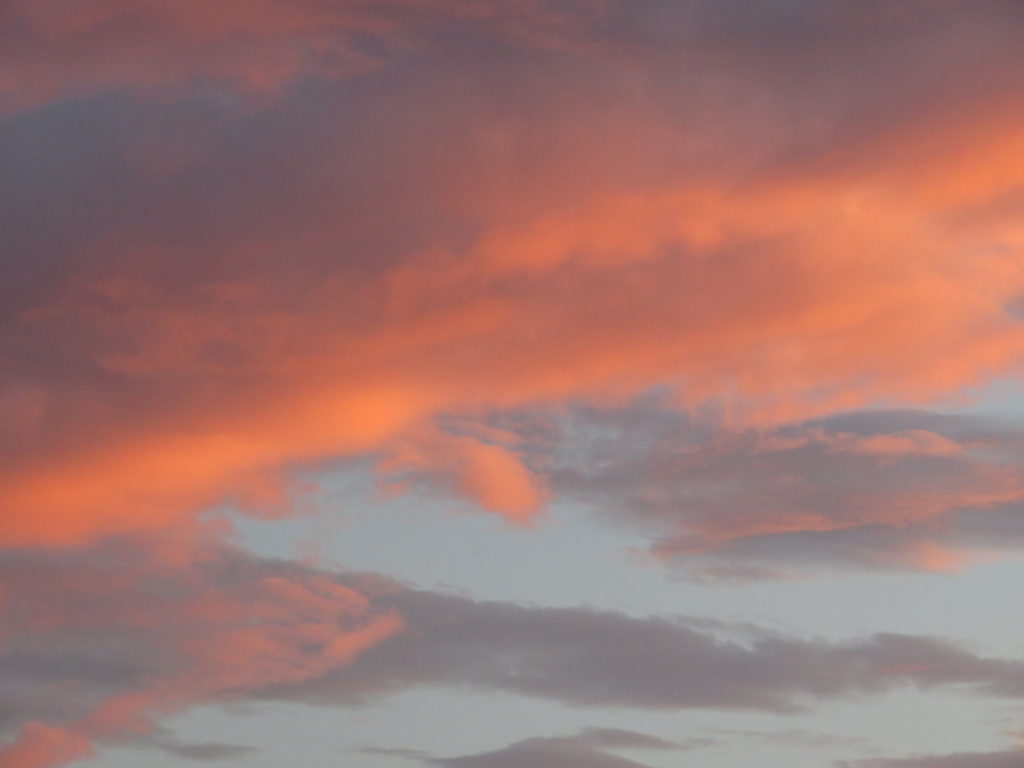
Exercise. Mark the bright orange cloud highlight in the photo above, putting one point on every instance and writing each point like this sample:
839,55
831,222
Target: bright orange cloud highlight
489,474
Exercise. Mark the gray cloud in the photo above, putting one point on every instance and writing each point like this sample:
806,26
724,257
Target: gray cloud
592,658
1012,759
102,623
587,749
201,224
205,751
901,490
794,737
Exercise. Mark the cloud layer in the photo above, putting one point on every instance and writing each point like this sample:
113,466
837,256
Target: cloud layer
588,749
961,760
901,490
99,644
127,639
214,286
245,239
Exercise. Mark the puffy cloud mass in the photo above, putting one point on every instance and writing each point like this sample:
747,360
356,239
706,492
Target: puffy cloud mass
234,252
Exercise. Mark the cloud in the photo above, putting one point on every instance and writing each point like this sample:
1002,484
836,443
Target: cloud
244,239
587,749
910,490
206,751
960,760
589,658
100,645
792,737
54,51
494,212
485,471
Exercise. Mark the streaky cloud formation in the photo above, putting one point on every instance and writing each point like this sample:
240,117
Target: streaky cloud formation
54,51
899,490
243,628
460,241
208,751
128,639
589,658
181,334
1010,759
167,742
588,749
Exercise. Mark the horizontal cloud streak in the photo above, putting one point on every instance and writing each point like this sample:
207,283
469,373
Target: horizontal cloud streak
98,645
128,640
960,760
53,50
881,489
604,659
588,749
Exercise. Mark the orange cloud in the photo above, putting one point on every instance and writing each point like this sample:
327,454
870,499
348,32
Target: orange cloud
258,47
40,746
322,273
905,490
246,237
489,474
215,635
798,321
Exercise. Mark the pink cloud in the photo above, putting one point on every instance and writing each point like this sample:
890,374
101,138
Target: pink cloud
886,489
234,290
488,473
250,236
107,642
54,51
39,745
170,638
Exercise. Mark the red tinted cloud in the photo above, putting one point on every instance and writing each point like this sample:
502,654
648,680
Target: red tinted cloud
880,489
160,46
41,746
216,289
1008,759
145,638
486,472
181,394
102,643
245,236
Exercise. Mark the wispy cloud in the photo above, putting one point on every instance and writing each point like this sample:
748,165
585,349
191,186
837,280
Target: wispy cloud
1010,759
590,748
129,640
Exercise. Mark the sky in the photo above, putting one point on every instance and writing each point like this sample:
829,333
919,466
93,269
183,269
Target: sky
511,383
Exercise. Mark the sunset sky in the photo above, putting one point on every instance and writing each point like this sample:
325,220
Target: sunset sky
512,383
